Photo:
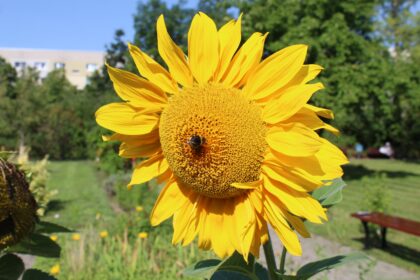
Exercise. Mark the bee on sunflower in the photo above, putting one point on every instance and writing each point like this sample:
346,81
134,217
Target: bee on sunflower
233,137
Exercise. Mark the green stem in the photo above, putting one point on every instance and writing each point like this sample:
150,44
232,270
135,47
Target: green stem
283,260
269,257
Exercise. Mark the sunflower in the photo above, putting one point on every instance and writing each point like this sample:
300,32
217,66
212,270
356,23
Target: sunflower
232,136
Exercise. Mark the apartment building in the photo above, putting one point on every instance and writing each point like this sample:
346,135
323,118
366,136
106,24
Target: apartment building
78,65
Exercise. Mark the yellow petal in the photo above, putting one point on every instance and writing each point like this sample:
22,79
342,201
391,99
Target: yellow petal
220,242
287,236
151,137
275,72
124,119
310,119
203,48
294,140
229,224
297,224
306,74
139,150
322,112
289,103
170,199
183,218
136,90
205,232
245,60
291,177
229,40
256,200
152,70
247,185
245,224
149,169
173,55
297,203
324,165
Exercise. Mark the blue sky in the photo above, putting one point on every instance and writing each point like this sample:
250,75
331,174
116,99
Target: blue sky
65,24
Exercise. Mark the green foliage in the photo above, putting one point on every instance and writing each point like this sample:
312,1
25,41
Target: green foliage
233,267
331,193
36,244
36,174
11,267
376,195
218,10
313,268
35,274
236,268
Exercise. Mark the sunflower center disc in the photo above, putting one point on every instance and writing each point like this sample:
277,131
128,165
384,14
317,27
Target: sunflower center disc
213,137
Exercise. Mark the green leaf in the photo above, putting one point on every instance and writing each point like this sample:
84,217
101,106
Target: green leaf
46,227
37,245
237,264
233,267
313,268
203,268
35,274
229,275
261,271
329,195
11,267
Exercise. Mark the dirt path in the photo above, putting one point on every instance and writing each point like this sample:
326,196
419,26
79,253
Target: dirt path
317,247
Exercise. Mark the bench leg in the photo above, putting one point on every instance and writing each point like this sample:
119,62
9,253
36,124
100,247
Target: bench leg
383,235
366,228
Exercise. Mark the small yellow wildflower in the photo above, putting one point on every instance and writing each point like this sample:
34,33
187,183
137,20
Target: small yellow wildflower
55,270
53,237
139,208
75,236
103,234
142,235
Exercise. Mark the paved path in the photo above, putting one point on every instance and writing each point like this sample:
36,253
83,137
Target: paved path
317,247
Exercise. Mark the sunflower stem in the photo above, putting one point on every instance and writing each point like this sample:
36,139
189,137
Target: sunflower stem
283,260
271,261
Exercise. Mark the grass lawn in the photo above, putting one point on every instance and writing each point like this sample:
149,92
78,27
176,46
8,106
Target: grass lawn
401,183
80,196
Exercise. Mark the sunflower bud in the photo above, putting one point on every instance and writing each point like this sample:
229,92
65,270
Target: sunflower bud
17,205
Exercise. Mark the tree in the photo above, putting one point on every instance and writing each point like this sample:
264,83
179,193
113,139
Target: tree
399,25
218,10
8,77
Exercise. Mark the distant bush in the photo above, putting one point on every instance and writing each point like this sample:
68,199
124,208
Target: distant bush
37,174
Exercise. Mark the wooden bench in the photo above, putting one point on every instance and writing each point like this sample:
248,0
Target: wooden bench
386,221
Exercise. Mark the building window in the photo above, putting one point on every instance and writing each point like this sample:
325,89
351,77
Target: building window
39,66
59,65
91,67
20,64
